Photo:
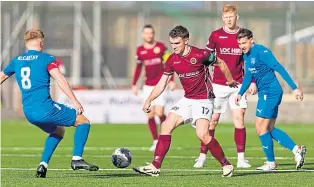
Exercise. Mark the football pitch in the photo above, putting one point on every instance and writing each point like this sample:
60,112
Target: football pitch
22,144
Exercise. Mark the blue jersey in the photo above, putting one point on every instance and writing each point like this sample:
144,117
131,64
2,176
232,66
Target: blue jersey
32,76
261,65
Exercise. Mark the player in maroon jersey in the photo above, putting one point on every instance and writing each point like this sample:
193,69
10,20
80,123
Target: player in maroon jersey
223,41
196,107
151,55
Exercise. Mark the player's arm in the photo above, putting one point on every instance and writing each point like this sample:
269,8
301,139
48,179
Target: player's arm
160,87
213,60
247,80
63,83
3,77
7,72
270,60
171,84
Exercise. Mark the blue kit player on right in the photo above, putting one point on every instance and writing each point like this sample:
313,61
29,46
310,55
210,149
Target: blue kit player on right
261,65
33,70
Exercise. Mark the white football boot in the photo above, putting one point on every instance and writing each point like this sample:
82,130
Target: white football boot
149,170
153,147
200,161
243,164
227,171
299,156
268,166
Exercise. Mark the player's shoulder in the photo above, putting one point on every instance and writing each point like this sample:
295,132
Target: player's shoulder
261,49
197,50
171,58
217,32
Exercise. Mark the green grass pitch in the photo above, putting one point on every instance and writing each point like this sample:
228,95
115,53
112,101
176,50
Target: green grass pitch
22,144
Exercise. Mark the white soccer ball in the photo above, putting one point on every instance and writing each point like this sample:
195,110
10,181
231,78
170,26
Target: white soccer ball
121,157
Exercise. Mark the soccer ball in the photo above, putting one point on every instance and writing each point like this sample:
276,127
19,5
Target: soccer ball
121,157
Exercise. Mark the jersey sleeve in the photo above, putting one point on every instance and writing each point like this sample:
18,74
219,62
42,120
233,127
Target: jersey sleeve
51,63
208,58
10,69
211,43
246,82
267,57
168,67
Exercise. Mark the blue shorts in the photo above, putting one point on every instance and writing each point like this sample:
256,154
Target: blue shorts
48,117
268,104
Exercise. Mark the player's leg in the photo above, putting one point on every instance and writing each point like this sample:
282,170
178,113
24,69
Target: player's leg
201,112
153,127
284,140
178,114
82,128
56,134
220,106
201,160
261,125
172,121
238,112
151,116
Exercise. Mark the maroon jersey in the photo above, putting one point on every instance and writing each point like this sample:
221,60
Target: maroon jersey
152,60
193,74
227,48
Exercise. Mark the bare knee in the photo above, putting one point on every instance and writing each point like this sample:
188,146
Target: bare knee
81,119
214,121
159,111
238,118
172,121
60,131
261,125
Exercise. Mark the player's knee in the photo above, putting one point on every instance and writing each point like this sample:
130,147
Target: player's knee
213,124
203,136
60,131
81,119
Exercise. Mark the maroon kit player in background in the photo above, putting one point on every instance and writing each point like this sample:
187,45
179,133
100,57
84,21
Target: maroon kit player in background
223,41
151,55
196,107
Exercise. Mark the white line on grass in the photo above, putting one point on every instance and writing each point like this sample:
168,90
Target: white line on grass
131,148
170,170
148,156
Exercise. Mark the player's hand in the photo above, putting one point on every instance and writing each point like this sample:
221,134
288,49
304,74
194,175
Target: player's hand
298,94
233,84
172,85
146,107
252,89
135,90
79,108
238,99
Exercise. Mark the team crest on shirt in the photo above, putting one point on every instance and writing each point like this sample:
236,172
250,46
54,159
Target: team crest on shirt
252,60
193,60
156,50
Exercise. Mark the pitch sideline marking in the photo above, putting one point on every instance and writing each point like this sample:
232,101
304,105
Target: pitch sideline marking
170,170
131,148
148,156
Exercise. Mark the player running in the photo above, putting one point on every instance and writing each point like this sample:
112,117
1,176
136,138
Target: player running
152,54
33,71
223,41
191,65
261,65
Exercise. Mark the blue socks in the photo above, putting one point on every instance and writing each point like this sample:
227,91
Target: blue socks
51,143
283,139
268,147
80,138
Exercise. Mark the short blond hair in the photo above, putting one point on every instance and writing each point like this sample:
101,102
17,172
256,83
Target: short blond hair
229,8
33,34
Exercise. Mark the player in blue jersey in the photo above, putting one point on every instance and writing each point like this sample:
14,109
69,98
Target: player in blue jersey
261,65
33,70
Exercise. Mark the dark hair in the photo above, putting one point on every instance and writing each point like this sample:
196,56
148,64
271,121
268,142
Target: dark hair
148,26
244,33
179,31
